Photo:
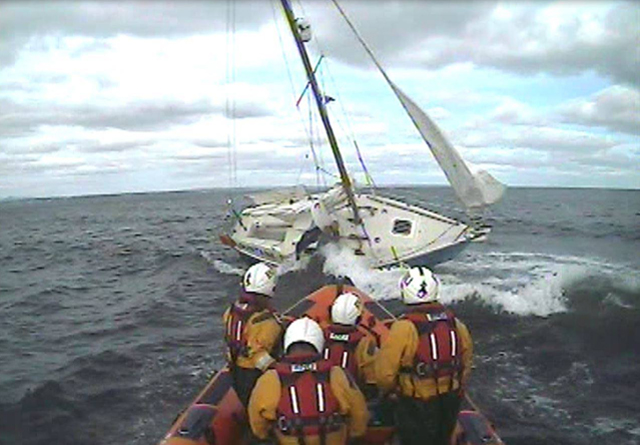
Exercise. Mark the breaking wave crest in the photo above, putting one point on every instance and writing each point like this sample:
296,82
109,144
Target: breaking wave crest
518,283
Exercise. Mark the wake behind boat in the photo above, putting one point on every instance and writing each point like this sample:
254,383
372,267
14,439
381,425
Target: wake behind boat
216,416
384,230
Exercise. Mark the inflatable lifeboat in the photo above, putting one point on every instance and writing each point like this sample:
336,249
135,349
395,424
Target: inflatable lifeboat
216,416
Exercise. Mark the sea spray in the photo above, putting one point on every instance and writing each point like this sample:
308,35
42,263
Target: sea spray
379,284
221,266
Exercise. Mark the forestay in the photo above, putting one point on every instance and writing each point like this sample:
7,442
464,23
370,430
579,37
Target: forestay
476,189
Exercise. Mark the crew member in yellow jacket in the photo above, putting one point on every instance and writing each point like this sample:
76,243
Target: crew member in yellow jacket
348,344
427,359
305,399
252,329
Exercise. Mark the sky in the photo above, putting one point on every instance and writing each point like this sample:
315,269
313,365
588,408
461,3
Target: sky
113,97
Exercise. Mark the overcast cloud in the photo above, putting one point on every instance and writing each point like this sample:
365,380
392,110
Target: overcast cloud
109,97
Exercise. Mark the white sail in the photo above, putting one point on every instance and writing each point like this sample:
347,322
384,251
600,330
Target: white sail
384,231
476,189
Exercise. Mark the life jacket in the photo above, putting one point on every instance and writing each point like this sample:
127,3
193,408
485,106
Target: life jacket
340,347
439,352
239,314
307,405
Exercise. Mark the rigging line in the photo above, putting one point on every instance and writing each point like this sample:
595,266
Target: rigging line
361,223
308,131
348,129
367,49
234,104
317,136
361,40
228,99
316,161
317,157
309,83
328,173
320,166
367,175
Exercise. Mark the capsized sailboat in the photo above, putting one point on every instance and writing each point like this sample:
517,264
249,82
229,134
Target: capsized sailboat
384,230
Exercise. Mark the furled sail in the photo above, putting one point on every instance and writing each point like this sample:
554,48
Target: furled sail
476,188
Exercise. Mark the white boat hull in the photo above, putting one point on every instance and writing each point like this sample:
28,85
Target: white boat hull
391,231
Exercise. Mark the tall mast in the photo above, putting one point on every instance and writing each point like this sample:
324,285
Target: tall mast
319,97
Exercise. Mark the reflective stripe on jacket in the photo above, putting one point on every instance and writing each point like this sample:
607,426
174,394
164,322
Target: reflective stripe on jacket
352,350
265,407
399,351
251,338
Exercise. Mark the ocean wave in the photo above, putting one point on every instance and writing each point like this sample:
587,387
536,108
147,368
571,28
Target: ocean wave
521,283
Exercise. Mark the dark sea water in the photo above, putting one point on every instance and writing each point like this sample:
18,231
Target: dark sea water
110,312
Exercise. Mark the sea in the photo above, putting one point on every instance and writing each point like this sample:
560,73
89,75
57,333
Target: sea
110,311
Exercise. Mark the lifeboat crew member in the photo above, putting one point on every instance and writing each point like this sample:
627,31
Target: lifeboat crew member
427,359
305,400
252,329
348,344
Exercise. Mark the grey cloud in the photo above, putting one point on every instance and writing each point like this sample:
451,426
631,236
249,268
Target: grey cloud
487,43
23,165
402,33
246,110
437,34
209,143
534,137
190,157
390,27
557,140
27,147
19,20
19,119
100,147
616,108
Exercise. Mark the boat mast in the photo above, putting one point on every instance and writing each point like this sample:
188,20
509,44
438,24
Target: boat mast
320,102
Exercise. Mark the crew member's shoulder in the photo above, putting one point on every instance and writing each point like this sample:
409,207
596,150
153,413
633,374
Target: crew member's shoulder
264,315
402,325
339,376
461,325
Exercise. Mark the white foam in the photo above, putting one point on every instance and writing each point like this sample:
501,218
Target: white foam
379,284
221,266
521,283
523,291
292,265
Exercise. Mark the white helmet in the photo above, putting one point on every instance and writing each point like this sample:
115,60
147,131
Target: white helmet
260,279
346,309
419,285
304,330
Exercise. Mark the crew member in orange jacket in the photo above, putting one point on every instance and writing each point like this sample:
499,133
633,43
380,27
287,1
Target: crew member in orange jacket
252,329
305,399
427,360
349,346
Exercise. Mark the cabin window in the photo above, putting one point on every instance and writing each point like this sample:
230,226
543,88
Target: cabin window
401,227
